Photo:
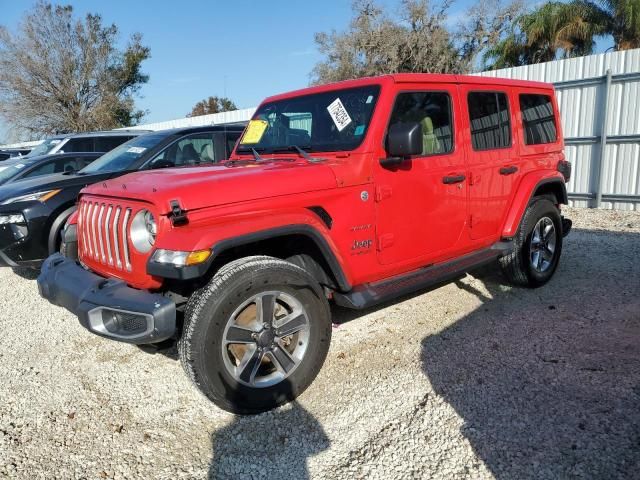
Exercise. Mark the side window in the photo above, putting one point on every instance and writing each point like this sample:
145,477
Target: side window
538,120
42,169
432,110
231,142
84,161
59,165
79,145
192,150
104,144
489,120
67,164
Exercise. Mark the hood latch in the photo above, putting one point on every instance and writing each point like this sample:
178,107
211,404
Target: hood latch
178,216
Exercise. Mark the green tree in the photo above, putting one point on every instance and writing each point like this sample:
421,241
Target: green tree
620,19
542,35
59,73
376,44
563,30
212,105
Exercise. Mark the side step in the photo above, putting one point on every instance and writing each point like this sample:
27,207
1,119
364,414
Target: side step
433,276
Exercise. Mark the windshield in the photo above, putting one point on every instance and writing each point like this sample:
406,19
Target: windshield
10,169
322,122
124,156
45,147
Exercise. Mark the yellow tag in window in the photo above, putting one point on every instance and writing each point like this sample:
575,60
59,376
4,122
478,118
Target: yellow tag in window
254,131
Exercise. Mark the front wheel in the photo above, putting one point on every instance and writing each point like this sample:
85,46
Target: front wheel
256,336
536,247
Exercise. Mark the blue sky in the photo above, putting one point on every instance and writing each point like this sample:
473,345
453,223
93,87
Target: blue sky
243,49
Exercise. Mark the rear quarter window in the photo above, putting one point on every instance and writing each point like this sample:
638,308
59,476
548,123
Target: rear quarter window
538,119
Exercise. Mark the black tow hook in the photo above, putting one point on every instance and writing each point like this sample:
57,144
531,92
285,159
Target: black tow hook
566,226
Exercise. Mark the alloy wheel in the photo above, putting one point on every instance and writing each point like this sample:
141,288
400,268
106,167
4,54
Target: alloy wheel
265,339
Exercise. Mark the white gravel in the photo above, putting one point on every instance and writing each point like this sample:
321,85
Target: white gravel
473,380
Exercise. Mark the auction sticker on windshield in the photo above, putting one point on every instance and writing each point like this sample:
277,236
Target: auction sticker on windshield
339,114
136,150
254,131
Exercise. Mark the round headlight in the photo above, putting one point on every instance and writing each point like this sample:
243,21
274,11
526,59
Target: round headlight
143,231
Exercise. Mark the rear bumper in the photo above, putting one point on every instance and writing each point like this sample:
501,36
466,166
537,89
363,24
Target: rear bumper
107,307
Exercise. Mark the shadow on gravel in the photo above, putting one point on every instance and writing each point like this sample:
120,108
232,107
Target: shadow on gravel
275,444
26,273
547,381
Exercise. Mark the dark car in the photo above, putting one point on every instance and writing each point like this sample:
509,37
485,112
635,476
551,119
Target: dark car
84,142
8,153
22,168
33,212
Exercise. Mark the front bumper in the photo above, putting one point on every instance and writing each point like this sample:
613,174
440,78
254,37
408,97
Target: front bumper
24,244
107,306
15,246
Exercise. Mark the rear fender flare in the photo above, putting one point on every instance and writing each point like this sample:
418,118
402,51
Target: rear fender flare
526,191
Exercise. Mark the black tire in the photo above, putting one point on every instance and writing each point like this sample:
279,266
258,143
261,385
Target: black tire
208,312
69,250
517,265
54,240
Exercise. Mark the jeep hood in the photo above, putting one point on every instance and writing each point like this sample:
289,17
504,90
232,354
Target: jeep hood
200,187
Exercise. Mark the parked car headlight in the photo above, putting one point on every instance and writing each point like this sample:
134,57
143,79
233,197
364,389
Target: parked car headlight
29,197
12,218
143,231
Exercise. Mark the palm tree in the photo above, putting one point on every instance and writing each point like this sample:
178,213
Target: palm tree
552,30
618,18
558,29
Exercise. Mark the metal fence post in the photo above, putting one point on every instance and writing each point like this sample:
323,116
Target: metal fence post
603,141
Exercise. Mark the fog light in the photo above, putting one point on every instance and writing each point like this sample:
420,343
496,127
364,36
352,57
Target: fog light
119,323
123,323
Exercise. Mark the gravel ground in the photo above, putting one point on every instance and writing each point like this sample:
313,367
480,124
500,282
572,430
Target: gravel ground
473,380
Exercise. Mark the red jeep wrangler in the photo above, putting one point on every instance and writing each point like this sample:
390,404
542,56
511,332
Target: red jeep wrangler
355,192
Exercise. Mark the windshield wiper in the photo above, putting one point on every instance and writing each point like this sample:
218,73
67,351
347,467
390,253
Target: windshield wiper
256,155
300,152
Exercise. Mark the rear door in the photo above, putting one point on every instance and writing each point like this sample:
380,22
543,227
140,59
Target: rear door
493,160
421,205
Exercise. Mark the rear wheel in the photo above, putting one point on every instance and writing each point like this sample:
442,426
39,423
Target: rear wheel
536,247
256,336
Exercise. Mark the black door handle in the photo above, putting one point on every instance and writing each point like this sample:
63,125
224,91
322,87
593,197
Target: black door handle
450,179
508,170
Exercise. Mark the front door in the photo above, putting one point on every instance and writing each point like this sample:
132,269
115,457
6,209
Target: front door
421,205
493,163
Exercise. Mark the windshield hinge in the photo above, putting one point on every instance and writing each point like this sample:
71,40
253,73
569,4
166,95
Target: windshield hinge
178,216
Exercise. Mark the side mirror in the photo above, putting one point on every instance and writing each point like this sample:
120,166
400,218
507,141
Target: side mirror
403,140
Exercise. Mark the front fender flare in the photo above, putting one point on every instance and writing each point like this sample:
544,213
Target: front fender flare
300,229
221,239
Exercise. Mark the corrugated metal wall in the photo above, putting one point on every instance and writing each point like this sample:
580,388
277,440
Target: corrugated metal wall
583,99
242,115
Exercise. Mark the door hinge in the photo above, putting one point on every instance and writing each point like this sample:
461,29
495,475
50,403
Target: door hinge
385,241
382,192
470,221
